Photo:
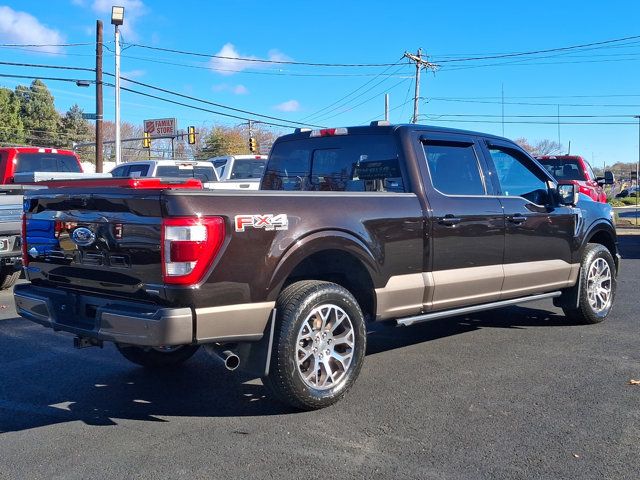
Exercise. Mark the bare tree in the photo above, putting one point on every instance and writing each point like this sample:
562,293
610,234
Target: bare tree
541,147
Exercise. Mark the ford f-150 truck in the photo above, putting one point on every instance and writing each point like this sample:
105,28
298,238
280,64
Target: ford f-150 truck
403,224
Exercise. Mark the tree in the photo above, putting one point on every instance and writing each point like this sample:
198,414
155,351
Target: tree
39,116
542,147
224,141
11,126
74,127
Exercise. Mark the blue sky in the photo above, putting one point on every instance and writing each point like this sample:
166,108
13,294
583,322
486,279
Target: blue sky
601,83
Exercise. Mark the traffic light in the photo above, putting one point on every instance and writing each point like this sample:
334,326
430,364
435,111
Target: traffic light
146,140
253,145
192,135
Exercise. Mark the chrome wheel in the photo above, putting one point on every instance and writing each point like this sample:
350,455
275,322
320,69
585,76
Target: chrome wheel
325,347
599,285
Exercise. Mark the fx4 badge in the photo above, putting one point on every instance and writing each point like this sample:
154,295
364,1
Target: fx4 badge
267,221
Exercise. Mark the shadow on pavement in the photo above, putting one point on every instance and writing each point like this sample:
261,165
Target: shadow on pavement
99,387
629,246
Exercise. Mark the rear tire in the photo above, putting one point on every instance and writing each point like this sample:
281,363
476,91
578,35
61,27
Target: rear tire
318,347
597,286
158,357
8,278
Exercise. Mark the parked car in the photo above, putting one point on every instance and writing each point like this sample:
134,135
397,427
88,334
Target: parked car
238,172
404,224
17,164
11,201
204,171
575,169
628,192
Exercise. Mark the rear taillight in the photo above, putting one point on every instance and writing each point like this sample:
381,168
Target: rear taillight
25,256
189,247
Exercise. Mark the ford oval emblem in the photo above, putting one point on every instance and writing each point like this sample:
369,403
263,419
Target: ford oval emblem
83,237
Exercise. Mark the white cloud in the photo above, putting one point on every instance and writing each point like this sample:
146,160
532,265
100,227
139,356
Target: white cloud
288,106
229,65
21,27
240,90
236,89
133,10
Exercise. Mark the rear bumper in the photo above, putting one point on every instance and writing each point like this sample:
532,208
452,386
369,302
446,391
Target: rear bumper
138,323
105,319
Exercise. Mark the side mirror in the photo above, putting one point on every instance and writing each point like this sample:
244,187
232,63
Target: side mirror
608,178
567,194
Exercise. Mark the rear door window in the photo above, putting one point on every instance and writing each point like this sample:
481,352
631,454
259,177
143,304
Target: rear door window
356,163
46,162
454,168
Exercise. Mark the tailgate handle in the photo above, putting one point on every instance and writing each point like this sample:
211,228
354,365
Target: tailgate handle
245,185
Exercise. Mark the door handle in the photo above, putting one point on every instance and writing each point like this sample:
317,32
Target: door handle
449,220
517,218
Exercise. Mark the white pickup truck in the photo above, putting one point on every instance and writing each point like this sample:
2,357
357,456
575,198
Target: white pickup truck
203,171
239,172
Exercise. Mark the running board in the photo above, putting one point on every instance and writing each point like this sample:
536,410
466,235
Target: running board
474,308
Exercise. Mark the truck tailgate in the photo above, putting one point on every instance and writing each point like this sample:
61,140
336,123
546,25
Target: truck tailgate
101,240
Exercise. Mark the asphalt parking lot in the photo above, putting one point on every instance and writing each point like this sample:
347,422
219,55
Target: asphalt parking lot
514,393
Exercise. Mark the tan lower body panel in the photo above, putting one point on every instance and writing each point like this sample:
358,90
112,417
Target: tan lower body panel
245,321
535,277
403,295
406,295
466,286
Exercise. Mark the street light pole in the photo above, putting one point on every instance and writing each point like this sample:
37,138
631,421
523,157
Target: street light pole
117,19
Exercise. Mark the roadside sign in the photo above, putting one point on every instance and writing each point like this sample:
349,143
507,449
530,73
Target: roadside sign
90,116
264,149
161,127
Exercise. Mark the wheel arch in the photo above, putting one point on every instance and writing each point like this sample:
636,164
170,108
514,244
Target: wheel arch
604,234
333,256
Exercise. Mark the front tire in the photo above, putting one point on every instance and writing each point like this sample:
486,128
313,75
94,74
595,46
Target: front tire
319,345
597,286
157,357
8,278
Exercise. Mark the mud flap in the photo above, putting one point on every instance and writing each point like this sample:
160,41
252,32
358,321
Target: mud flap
570,297
255,357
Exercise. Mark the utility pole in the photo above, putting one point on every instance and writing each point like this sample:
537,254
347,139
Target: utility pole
420,64
386,107
99,153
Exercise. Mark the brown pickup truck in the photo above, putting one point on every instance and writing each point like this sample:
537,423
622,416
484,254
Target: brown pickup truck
352,225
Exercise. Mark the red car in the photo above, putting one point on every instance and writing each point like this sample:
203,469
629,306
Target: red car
577,170
16,160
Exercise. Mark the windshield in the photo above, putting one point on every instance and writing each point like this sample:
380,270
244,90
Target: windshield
563,169
247,169
46,162
204,174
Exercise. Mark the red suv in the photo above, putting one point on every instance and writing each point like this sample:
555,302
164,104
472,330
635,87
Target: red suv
575,169
16,160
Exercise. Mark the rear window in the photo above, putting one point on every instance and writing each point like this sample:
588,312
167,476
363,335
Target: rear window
204,174
563,169
247,168
46,162
356,163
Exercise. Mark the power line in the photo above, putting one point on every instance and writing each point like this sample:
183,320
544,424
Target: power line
337,104
614,105
536,52
278,73
189,97
46,44
38,77
261,60
39,65
531,122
